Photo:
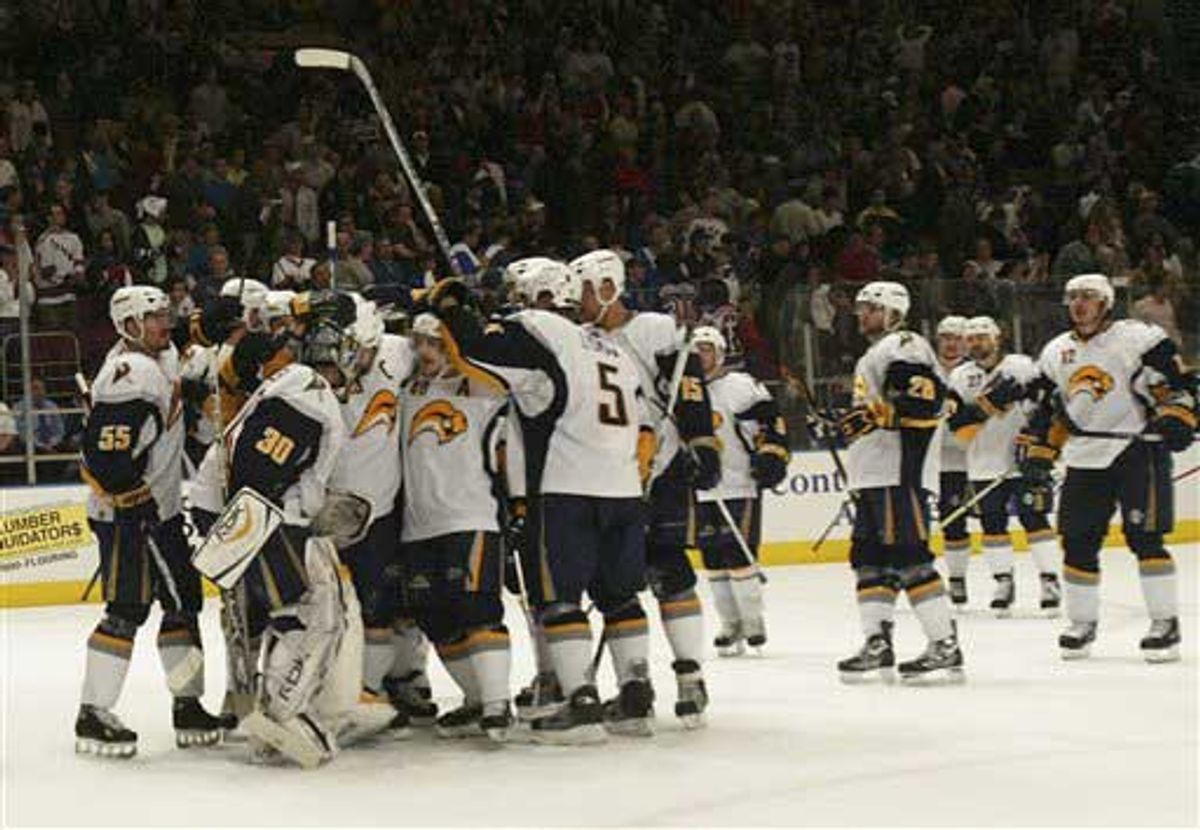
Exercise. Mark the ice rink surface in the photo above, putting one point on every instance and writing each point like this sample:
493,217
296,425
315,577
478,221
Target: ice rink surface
1029,740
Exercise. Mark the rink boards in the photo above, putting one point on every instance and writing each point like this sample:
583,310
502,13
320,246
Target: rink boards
47,554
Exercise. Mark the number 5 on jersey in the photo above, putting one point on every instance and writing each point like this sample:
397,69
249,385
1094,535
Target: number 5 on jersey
612,413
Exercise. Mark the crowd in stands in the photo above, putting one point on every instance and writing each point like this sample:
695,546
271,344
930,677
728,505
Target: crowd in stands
754,161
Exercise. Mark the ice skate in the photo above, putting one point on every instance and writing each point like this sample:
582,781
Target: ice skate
1161,644
373,715
1076,642
729,642
196,727
874,661
691,694
756,633
631,712
1002,600
463,722
542,697
941,662
1051,594
578,722
100,732
496,720
411,694
958,591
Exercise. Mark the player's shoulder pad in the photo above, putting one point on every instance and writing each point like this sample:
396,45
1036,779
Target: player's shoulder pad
395,357
304,389
907,346
1138,336
130,375
1018,366
655,331
549,328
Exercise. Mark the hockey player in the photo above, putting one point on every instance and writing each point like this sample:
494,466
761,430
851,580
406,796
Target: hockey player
543,694
686,460
367,384
453,564
1118,402
578,398
132,458
894,417
754,455
283,446
991,408
952,491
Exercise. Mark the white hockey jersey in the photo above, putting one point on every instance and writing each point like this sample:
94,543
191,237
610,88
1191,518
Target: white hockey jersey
450,425
369,464
874,459
954,457
579,398
733,395
135,430
514,453
992,448
1097,380
651,339
284,443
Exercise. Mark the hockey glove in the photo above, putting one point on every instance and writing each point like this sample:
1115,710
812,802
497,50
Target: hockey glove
448,293
136,512
768,468
515,540
1035,457
863,420
1000,396
216,322
1175,421
702,466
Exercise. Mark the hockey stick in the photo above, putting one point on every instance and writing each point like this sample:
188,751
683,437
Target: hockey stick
966,506
1185,474
82,385
316,58
832,524
1147,437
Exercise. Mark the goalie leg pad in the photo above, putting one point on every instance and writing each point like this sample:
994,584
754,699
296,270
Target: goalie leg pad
303,637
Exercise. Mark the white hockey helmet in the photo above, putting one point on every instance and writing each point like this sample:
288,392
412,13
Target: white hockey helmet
952,325
517,273
134,302
1098,284
558,280
595,267
890,295
981,326
253,296
278,305
710,335
426,325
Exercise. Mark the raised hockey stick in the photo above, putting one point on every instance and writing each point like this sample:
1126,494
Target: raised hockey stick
315,58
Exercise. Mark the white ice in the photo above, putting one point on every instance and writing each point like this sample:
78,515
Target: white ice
1029,740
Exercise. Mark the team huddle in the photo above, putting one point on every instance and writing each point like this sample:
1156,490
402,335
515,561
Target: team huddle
367,494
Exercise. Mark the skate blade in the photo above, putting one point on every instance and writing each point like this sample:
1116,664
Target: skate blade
455,733
731,651
287,743
1002,613
498,734
690,715
1075,653
886,675
631,727
532,713
191,738
1051,612
101,749
937,677
422,721
1161,655
583,735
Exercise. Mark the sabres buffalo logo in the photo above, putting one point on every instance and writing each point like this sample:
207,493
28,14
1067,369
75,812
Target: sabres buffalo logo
440,418
380,411
1090,380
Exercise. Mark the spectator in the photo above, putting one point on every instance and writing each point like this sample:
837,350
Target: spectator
1158,309
25,114
859,262
10,306
182,304
60,270
101,216
149,241
9,439
48,427
354,274
463,252
293,270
